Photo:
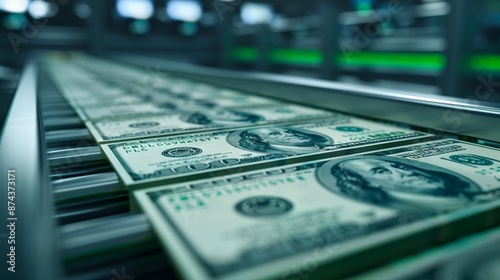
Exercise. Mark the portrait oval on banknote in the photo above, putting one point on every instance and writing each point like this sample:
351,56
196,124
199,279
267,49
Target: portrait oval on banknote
220,116
398,183
279,140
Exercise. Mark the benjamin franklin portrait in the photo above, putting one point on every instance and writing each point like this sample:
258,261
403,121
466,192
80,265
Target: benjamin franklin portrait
221,117
280,140
398,183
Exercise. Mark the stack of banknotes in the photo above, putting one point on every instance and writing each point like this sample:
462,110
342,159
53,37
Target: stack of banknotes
475,257
240,186
118,109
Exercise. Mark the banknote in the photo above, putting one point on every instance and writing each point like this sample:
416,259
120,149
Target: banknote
125,106
99,101
146,162
79,86
196,121
328,217
91,69
475,257
126,110
93,90
148,77
90,97
156,80
159,92
221,98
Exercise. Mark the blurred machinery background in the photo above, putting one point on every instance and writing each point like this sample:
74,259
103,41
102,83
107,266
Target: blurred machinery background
432,46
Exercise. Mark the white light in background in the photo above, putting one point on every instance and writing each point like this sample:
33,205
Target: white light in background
40,9
184,10
14,6
82,10
138,9
256,13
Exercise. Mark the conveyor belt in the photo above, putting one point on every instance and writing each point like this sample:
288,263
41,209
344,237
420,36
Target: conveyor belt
99,237
84,215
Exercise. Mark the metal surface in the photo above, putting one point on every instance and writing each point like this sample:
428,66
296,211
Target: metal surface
56,136
58,123
93,184
72,155
94,235
469,117
36,251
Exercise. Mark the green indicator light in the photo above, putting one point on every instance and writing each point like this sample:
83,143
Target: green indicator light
297,57
364,8
245,54
485,63
399,60
285,56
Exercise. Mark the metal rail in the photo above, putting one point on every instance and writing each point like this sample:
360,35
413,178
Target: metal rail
470,117
21,149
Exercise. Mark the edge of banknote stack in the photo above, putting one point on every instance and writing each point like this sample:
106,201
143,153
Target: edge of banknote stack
176,211
192,145
228,203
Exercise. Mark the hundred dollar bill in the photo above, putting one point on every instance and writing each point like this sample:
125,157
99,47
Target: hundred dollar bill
80,88
168,84
150,77
146,162
196,121
329,217
86,91
192,92
126,110
105,97
220,98
98,104
475,257
160,104
99,101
